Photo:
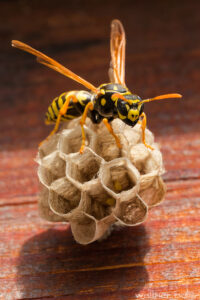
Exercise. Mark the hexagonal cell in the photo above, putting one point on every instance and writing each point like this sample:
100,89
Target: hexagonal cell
154,162
48,146
152,189
105,145
119,175
139,155
85,227
146,160
84,230
83,167
97,203
71,139
131,212
99,195
44,209
132,134
54,164
63,197
46,177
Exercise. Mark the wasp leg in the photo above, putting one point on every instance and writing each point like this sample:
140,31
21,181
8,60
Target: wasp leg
62,112
82,122
110,129
143,126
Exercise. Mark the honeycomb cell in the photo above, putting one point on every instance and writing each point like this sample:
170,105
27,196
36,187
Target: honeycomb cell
97,202
131,212
46,177
132,135
104,144
85,227
54,164
48,146
71,139
63,197
146,160
44,209
51,167
119,176
154,162
97,193
152,189
83,167
139,154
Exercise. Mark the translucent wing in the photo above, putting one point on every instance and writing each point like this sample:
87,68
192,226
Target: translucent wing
117,48
51,63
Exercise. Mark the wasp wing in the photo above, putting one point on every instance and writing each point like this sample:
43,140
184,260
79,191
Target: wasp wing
51,63
117,48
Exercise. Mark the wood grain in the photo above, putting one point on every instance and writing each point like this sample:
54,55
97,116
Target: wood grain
157,260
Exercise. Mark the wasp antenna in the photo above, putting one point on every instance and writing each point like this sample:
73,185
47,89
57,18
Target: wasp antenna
161,97
117,96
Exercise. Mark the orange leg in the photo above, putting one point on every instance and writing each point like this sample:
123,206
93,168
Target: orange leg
82,122
143,126
62,112
110,129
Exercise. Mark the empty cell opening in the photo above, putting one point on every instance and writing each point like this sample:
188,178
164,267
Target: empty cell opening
146,161
48,146
153,194
71,142
106,147
46,176
120,179
84,230
43,205
150,196
64,196
84,168
54,164
60,204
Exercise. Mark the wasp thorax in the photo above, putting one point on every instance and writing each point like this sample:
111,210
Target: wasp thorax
104,103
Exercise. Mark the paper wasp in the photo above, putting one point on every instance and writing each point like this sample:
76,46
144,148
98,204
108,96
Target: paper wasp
104,103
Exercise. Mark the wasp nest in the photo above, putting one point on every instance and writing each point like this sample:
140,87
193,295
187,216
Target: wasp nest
102,186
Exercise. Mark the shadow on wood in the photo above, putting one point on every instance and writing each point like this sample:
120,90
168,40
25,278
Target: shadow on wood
52,263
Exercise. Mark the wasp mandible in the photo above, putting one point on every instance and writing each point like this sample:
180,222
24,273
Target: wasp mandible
104,103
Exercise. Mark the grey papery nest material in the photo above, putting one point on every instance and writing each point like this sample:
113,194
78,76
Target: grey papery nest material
103,186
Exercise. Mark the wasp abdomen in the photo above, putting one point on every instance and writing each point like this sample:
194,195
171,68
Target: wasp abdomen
75,109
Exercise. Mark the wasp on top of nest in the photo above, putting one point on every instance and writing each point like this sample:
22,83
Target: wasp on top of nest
104,103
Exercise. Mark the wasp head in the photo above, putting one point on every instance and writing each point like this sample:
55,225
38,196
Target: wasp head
129,108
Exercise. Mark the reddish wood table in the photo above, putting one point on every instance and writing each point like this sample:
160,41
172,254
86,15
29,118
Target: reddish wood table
157,260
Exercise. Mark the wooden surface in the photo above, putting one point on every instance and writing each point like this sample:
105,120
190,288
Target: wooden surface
157,260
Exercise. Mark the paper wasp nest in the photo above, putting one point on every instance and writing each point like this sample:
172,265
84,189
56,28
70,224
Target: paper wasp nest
102,186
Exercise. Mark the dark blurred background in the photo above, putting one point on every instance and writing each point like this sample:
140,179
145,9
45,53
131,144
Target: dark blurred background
163,55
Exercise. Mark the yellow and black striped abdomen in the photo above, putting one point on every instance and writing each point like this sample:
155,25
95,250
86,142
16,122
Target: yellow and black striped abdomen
75,109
